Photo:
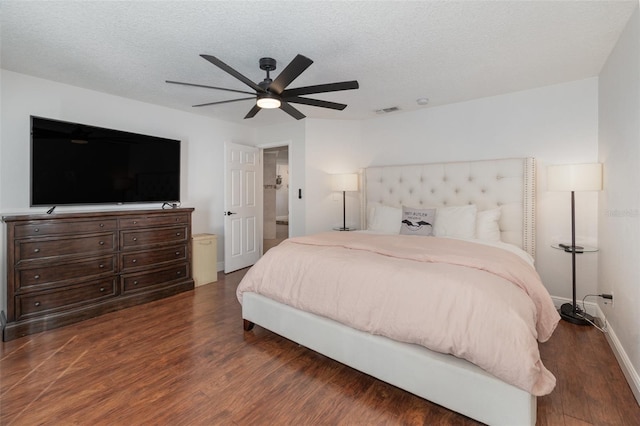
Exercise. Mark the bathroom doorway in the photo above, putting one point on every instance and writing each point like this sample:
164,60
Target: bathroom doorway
275,196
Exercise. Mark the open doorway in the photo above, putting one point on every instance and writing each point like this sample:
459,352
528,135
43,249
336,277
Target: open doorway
275,196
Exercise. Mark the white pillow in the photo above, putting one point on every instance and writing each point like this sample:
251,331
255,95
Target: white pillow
386,219
457,221
487,227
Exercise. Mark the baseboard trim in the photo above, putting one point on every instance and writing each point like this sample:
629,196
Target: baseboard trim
630,373
628,370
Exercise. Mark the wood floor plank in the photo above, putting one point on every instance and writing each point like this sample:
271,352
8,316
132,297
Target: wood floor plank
186,360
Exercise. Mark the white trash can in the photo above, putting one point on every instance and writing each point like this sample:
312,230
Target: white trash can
205,259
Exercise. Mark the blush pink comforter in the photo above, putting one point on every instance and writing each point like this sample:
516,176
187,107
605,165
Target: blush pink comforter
477,302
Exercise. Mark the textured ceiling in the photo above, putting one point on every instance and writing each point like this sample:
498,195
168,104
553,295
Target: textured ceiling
447,51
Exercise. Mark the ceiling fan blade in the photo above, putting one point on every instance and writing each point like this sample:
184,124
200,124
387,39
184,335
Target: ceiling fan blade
252,112
321,88
290,73
224,67
291,111
207,87
223,102
316,102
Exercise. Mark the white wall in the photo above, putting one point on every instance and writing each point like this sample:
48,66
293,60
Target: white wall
332,147
555,124
202,145
619,223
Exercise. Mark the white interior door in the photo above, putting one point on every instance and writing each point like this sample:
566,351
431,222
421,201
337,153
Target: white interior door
242,223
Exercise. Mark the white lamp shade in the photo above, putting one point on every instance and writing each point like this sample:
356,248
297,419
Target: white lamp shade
345,182
575,177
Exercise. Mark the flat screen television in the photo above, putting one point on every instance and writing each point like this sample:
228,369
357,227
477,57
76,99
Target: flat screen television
74,164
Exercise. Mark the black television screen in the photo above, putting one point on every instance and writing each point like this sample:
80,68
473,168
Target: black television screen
74,163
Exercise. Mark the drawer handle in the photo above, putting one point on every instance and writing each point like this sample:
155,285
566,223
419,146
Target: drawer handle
135,222
36,250
135,238
102,225
101,289
177,253
177,234
134,260
179,272
135,282
101,266
101,243
36,277
37,304
36,230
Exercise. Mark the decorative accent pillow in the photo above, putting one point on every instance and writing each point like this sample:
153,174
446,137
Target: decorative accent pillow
487,227
385,219
458,221
417,221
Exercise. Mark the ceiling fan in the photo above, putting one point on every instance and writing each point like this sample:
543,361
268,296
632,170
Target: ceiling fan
274,93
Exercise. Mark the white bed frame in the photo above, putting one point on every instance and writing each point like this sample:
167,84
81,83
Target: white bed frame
443,379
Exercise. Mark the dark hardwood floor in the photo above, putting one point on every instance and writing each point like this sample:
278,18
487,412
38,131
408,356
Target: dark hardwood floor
186,360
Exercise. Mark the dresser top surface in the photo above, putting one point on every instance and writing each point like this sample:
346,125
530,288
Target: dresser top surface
94,214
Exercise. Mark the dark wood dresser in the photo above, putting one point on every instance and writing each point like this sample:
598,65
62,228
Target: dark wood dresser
68,267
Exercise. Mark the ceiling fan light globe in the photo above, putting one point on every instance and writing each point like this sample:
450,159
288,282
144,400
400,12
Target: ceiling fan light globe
268,103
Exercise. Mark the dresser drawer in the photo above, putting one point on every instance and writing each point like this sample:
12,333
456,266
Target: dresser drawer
44,275
134,282
160,220
152,257
42,302
135,239
53,227
62,246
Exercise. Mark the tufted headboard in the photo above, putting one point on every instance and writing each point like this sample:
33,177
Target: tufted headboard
507,183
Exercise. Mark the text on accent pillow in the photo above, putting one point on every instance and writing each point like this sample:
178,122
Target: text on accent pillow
417,221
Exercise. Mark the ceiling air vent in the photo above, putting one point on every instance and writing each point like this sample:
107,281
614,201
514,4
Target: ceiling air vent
387,110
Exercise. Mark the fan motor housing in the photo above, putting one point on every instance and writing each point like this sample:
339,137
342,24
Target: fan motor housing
267,64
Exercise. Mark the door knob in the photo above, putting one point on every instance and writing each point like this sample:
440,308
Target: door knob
229,213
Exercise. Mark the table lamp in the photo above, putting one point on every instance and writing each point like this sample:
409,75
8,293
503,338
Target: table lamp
344,182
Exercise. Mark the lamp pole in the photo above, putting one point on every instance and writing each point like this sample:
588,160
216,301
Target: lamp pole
344,210
573,250
572,313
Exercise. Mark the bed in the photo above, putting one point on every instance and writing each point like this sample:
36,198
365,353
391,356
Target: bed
437,375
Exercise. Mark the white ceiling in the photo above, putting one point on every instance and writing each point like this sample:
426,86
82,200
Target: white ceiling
447,51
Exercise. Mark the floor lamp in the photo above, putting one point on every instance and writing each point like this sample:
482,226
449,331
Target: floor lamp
574,177
345,182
